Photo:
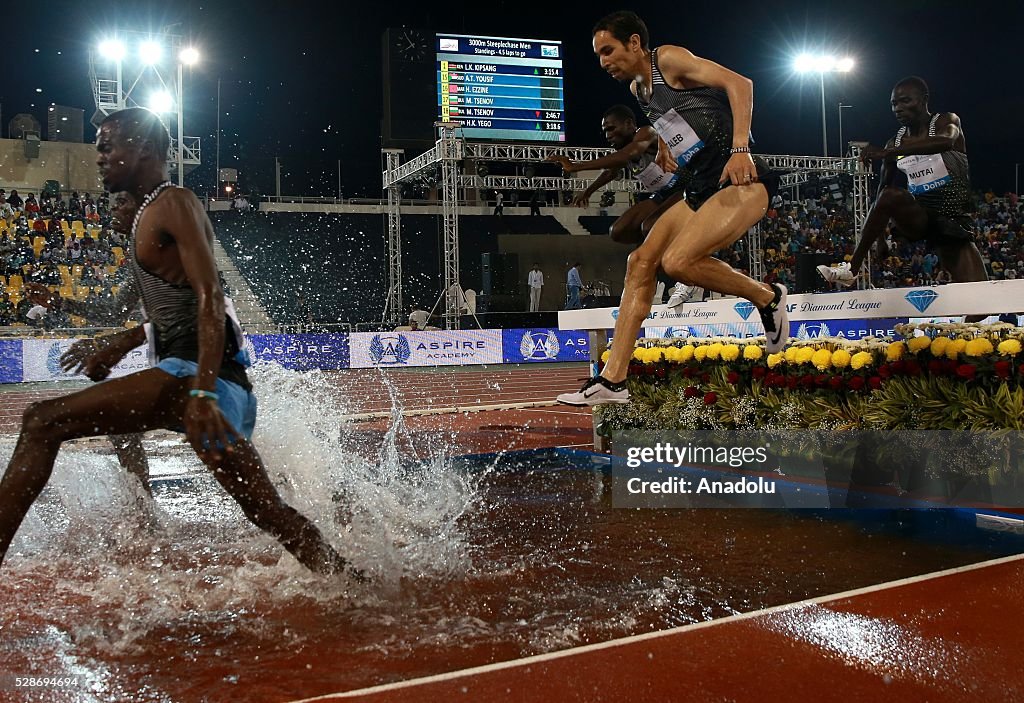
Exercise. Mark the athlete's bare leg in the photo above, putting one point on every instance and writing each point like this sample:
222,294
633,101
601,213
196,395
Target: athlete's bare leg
641,269
137,403
724,218
132,456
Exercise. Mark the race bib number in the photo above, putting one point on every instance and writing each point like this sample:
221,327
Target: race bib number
677,133
925,172
654,178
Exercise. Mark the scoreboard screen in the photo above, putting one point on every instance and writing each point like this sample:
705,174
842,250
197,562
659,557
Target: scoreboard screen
501,89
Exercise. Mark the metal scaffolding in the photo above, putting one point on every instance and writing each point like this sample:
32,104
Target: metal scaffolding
393,307
451,155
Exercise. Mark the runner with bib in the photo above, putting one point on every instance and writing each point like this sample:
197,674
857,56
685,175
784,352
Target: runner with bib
924,189
636,148
701,112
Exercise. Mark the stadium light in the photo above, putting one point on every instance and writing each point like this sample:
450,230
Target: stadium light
189,55
112,49
150,52
822,64
161,102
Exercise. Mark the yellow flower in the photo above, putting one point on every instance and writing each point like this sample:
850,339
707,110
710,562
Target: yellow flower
655,354
672,354
840,358
730,352
686,353
790,354
821,359
1009,347
860,360
955,347
939,345
894,352
752,352
639,353
604,357
700,353
775,359
804,355
978,347
919,344
715,351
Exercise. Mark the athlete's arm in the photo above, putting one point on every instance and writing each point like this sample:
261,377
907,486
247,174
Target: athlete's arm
682,69
184,220
605,177
642,141
947,133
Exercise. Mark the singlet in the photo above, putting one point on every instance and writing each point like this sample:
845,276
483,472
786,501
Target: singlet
695,123
172,316
939,182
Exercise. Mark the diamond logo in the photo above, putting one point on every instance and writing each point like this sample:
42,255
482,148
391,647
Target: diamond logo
744,309
921,299
615,314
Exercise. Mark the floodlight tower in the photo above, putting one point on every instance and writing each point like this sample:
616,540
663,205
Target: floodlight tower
118,76
822,64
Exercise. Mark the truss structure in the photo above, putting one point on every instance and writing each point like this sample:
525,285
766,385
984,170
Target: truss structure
450,151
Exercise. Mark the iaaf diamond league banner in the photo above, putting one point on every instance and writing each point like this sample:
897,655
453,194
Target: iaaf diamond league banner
452,348
540,344
810,329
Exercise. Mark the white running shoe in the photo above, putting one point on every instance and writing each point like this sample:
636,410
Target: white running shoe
775,319
682,293
596,391
840,273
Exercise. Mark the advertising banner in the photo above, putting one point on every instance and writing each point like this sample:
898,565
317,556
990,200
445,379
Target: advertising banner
451,348
540,344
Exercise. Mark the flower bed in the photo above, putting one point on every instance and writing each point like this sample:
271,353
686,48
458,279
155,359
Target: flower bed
954,377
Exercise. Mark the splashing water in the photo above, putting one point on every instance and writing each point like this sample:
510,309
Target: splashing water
95,535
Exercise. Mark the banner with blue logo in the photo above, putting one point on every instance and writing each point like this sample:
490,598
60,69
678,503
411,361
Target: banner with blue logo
451,348
540,344
10,361
301,352
810,329
41,361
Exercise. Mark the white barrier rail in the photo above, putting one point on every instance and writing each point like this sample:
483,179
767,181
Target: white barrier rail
982,298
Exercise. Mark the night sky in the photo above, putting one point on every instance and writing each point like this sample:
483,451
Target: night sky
304,82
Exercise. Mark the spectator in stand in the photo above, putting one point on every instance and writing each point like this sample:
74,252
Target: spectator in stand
31,206
499,206
6,209
39,225
75,252
943,276
15,200
91,216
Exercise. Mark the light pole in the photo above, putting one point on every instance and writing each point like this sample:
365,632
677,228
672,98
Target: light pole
822,64
189,55
842,146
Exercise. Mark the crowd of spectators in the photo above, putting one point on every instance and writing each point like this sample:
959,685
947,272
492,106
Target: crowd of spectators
64,243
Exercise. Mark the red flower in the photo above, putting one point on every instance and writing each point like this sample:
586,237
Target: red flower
691,392
856,383
898,366
600,366
733,378
807,381
884,371
705,377
710,398
1020,369
936,367
966,371
689,371
636,369
1003,369
835,383
758,372
912,367
821,380
790,382
660,372
875,382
